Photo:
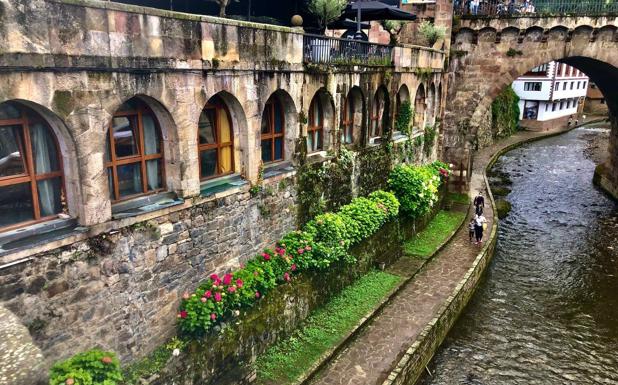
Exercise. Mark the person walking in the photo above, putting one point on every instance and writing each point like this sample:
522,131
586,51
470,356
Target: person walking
479,204
471,233
474,6
479,226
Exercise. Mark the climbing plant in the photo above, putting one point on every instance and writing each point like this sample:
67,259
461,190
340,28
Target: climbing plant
404,117
429,137
505,113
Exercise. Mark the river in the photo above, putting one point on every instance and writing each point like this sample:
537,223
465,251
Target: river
547,310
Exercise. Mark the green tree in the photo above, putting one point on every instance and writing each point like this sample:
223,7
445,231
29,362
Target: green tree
431,33
327,10
393,27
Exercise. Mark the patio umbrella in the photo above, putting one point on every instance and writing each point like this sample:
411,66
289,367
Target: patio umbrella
374,10
346,24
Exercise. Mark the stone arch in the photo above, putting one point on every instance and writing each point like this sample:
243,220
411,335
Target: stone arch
487,35
607,33
403,96
509,34
290,118
582,32
465,36
559,32
239,128
431,104
534,34
420,107
380,113
327,105
353,116
169,132
69,155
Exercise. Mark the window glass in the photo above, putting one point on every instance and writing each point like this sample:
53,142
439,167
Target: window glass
43,149
155,175
126,136
208,163
50,192
207,133
266,123
152,138
129,179
278,117
266,150
11,151
224,126
15,204
226,160
9,111
278,148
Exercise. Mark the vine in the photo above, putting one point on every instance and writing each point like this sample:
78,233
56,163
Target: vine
505,113
429,138
404,117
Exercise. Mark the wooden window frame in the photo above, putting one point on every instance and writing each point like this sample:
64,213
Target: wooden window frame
140,158
218,145
348,120
272,135
312,129
30,176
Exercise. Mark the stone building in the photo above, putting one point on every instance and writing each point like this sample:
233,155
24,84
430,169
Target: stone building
142,150
595,101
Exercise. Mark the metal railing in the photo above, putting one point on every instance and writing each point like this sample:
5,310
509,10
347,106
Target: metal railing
509,8
319,49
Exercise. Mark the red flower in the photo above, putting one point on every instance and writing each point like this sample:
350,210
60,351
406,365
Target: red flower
214,277
218,297
293,267
183,314
208,294
286,277
257,294
266,256
231,289
239,283
227,279
280,251
213,316
300,251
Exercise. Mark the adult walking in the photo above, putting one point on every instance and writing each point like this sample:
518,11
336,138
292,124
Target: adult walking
479,226
479,204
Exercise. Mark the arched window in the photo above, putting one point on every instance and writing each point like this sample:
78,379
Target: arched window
31,179
134,153
215,140
272,137
419,107
378,113
315,128
347,131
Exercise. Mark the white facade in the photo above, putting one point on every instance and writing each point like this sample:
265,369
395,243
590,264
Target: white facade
550,91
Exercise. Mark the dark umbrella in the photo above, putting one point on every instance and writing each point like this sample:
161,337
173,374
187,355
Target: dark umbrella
346,24
374,10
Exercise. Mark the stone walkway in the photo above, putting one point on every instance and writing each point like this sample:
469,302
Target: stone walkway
370,357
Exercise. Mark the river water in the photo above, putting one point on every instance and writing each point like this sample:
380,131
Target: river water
547,310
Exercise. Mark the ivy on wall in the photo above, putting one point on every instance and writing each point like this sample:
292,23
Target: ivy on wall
505,113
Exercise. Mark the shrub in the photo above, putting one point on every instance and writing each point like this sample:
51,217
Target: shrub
416,188
431,33
329,231
94,367
364,218
388,200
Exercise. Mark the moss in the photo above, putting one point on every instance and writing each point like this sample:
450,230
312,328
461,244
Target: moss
505,113
375,165
503,207
63,103
500,191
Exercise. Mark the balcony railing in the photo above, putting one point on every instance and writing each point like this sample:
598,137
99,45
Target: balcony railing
329,50
508,8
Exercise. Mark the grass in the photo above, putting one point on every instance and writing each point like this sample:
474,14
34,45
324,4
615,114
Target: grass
463,199
425,243
290,358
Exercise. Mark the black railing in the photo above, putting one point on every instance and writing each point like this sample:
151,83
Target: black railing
319,49
507,8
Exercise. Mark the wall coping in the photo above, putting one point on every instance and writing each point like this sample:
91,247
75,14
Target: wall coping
111,5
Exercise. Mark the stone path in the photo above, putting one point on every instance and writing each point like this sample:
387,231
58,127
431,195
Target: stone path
370,357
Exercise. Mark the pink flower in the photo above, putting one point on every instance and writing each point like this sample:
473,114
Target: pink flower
183,314
257,294
208,294
227,279
239,283
242,265
231,289
286,277
214,277
281,251
213,316
255,273
308,248
185,295
293,267
203,299
266,256
300,251
218,297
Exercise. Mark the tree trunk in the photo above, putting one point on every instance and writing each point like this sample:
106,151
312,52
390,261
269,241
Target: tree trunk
223,6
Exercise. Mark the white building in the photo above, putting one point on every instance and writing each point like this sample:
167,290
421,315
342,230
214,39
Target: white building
548,92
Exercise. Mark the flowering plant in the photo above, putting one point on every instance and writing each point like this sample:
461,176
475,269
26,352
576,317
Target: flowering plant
88,368
416,188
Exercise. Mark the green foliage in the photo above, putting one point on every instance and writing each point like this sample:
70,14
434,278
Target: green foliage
153,363
462,199
427,242
386,201
430,32
418,141
94,367
327,11
429,138
505,112
423,74
393,27
404,117
513,52
288,359
416,188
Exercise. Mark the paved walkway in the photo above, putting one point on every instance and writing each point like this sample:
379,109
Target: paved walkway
370,357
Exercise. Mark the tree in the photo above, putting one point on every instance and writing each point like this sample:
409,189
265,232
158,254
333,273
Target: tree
222,5
393,27
327,10
431,32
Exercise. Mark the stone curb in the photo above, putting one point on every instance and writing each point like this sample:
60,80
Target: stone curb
417,356
344,342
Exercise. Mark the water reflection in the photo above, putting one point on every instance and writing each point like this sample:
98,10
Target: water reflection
547,311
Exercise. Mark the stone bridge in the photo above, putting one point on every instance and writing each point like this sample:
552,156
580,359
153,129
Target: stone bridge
487,54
